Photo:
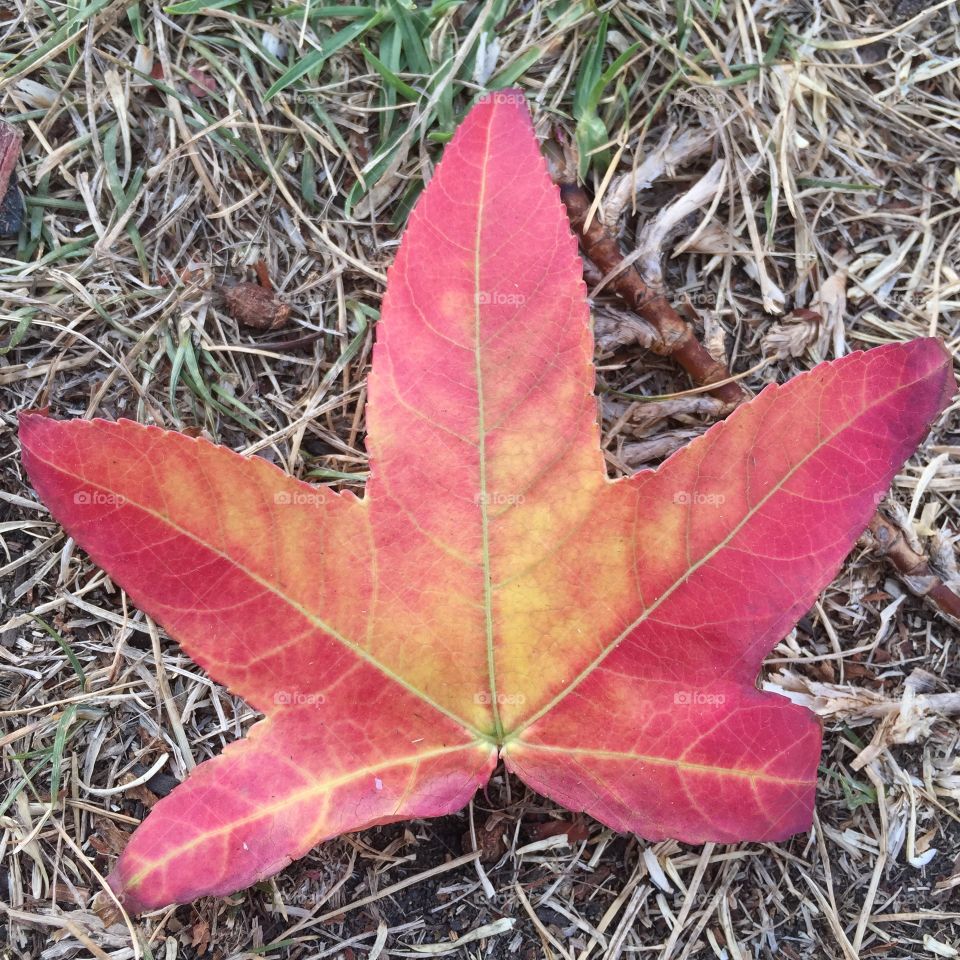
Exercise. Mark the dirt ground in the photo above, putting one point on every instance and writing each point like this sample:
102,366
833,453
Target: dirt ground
169,150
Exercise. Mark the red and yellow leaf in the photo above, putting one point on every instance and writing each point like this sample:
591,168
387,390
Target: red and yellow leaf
492,595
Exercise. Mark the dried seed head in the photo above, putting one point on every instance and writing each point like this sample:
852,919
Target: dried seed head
253,306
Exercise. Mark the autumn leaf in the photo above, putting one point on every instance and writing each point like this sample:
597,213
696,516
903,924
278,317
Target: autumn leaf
492,595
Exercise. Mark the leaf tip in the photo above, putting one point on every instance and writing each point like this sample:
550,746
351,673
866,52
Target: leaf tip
31,425
929,361
27,419
939,358
129,898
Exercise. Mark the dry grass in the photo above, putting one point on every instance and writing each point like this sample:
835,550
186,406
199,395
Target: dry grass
836,126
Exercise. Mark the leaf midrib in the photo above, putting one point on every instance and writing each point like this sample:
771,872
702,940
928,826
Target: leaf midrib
686,765
488,624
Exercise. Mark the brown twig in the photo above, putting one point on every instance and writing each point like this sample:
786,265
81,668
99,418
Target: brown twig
678,338
888,541
680,342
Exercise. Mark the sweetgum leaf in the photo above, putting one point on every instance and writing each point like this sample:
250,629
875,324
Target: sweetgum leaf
493,595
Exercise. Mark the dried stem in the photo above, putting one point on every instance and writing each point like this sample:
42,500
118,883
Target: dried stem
888,541
678,338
